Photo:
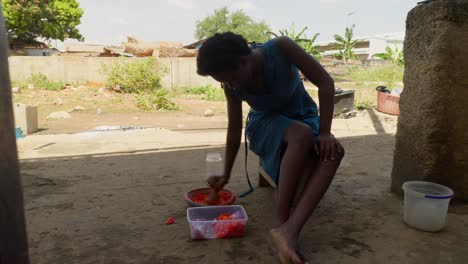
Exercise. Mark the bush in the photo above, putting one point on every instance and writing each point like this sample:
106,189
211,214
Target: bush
155,100
133,77
209,92
39,81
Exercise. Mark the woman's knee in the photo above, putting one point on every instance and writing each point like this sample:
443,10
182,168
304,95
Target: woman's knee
340,151
299,134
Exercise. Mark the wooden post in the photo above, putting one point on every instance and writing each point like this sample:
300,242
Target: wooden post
13,239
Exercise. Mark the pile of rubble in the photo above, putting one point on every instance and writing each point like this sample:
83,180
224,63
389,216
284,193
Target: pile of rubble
133,47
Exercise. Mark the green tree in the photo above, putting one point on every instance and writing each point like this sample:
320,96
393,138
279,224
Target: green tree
49,19
301,38
346,44
394,55
237,22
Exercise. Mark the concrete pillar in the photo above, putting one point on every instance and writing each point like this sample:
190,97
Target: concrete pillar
432,136
26,118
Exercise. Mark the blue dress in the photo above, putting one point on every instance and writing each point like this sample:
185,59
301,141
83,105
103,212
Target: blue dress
286,101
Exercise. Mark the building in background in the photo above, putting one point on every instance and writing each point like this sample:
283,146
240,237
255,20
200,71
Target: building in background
32,48
367,46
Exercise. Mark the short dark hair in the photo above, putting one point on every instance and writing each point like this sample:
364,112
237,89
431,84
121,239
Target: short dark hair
221,53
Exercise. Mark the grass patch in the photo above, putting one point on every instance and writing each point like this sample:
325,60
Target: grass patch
208,92
39,81
364,105
387,74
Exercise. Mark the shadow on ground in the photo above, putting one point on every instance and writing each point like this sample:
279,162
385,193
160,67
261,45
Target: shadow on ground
112,209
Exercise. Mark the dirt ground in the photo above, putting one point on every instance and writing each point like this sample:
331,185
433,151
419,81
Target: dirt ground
103,197
120,110
116,110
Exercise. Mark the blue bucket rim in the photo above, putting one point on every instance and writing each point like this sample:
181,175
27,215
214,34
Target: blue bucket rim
429,196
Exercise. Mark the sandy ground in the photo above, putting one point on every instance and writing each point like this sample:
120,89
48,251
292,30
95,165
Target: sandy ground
120,110
103,197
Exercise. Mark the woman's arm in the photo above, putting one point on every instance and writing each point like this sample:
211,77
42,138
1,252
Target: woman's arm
320,78
234,132
233,139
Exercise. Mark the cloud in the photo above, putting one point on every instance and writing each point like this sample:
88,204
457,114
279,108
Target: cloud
118,21
185,4
244,4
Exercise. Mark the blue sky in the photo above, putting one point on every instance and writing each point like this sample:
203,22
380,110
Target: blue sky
109,21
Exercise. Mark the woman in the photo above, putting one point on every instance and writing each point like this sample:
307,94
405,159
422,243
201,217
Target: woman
283,126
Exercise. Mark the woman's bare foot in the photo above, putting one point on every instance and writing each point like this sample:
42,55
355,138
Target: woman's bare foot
302,256
285,245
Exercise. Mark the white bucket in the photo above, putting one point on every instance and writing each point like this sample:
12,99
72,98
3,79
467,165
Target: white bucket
426,205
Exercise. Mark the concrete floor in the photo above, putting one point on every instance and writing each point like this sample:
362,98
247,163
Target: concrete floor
104,198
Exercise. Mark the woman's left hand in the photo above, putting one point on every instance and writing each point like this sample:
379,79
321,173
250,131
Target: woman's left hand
326,146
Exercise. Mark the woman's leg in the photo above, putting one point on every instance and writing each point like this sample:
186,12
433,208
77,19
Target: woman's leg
285,237
299,143
315,189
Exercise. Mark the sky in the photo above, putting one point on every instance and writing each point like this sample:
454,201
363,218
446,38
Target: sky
110,21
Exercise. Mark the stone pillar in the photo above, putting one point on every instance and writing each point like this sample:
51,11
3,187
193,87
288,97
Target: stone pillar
432,135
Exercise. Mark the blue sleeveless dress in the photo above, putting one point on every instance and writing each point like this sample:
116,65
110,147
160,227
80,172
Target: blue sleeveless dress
286,101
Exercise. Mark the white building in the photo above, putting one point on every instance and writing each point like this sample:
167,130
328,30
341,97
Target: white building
367,46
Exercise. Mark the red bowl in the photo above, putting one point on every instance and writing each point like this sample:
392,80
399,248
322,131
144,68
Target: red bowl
228,196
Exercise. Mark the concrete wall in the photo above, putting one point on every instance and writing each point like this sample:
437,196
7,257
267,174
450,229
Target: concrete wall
432,137
376,46
182,72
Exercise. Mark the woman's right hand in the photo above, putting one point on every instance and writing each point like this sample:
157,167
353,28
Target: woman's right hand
218,181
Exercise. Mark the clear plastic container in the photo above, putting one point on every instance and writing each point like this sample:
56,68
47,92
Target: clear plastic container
214,165
426,205
203,223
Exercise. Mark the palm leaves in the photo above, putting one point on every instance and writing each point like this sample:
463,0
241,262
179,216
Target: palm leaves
310,47
345,44
394,55
290,33
301,38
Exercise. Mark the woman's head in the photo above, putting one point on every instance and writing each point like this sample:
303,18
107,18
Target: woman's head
225,58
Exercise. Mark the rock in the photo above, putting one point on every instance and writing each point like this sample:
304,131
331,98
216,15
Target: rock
74,89
108,128
350,114
59,115
137,118
102,90
346,114
15,90
81,87
67,86
209,113
58,101
31,86
171,52
78,108
432,139
117,88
